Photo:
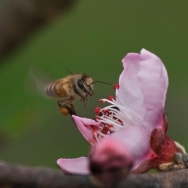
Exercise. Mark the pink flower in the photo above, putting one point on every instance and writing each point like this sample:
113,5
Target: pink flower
120,133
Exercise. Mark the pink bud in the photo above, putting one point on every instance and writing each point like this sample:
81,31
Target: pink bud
110,161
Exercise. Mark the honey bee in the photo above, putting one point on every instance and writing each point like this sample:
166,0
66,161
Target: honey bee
70,88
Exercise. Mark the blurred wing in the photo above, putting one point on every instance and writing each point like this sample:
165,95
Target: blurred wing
36,81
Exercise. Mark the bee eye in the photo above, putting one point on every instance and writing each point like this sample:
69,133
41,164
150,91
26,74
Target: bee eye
80,84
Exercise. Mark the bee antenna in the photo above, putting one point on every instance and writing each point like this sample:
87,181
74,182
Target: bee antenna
100,82
68,70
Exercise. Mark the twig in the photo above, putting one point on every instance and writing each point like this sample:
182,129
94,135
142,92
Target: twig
20,176
19,18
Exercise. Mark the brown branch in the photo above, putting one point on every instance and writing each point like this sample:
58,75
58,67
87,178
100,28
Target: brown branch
20,176
19,18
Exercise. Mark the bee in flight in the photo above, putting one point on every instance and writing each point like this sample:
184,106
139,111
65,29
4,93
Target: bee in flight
70,88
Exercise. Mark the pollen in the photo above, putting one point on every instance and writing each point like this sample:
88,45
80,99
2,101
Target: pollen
64,110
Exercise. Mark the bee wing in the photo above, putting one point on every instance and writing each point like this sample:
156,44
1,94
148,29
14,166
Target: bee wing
36,81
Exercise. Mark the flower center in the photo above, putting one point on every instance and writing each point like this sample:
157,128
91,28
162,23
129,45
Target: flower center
112,118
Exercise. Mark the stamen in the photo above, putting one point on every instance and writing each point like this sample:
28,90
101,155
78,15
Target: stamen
102,100
111,98
108,121
106,100
100,133
97,110
117,115
113,118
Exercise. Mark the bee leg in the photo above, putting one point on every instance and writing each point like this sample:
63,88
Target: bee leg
84,101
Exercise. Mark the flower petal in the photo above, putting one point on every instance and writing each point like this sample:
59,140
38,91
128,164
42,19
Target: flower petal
84,126
143,86
136,140
110,161
74,166
130,143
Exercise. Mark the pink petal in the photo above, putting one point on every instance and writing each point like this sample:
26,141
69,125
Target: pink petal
110,161
130,143
143,86
84,126
74,166
136,141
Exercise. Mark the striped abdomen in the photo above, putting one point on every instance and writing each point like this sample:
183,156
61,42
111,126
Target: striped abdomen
56,89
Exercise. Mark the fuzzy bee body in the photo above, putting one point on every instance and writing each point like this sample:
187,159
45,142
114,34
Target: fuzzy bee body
59,88
67,89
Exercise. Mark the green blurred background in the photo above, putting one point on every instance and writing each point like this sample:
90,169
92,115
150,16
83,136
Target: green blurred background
92,38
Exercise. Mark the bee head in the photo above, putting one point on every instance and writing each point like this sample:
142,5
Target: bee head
85,84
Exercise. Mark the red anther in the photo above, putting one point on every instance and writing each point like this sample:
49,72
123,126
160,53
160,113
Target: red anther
110,126
116,86
105,111
95,128
97,110
111,98
114,117
105,130
120,121
102,101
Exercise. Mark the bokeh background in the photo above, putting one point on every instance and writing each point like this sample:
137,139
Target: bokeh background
92,38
